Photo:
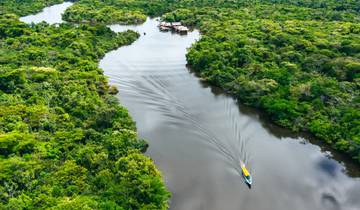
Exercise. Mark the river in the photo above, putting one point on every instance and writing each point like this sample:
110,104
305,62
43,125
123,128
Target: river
50,14
198,136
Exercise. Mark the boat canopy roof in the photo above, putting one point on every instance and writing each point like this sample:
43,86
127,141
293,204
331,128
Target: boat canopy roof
245,171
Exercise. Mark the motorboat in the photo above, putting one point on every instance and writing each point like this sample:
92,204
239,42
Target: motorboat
246,174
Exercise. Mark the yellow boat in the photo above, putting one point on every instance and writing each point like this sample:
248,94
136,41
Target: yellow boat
246,174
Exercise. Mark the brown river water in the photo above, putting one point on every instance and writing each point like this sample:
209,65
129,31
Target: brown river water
198,136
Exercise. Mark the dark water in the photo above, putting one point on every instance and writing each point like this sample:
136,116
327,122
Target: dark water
198,136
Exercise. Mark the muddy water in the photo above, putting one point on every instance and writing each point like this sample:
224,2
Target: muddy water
198,136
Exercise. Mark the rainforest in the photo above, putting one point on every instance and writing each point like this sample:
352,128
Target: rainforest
298,61
67,143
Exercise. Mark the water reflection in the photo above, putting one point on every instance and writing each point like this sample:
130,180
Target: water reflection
330,202
329,166
198,135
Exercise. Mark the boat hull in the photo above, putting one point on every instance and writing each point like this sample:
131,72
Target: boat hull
248,180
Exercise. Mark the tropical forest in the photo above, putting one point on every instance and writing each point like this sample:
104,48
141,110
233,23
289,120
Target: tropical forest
67,140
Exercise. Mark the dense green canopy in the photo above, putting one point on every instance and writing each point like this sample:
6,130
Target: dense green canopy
303,73
25,7
297,60
298,64
65,142
93,12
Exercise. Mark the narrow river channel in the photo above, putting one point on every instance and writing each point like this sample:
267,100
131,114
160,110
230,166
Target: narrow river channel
198,136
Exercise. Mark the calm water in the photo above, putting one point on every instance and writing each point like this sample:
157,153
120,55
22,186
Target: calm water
198,136
50,14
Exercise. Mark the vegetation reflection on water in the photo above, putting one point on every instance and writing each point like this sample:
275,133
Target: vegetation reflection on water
198,137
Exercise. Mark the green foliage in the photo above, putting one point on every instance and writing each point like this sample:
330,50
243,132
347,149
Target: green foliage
296,60
25,7
63,136
95,11
301,69
65,143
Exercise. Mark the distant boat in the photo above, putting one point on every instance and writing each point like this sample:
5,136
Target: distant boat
246,174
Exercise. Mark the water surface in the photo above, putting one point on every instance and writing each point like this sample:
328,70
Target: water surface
50,14
198,136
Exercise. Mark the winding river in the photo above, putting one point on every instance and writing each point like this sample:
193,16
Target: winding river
50,14
198,136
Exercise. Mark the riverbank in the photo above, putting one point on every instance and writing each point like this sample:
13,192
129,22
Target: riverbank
26,7
197,136
299,80
65,141
284,64
294,89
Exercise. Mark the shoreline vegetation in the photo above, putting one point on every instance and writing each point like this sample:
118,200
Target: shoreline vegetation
99,12
298,61
25,7
65,142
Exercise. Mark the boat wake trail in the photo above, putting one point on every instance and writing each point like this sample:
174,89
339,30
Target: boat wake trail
153,91
239,148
